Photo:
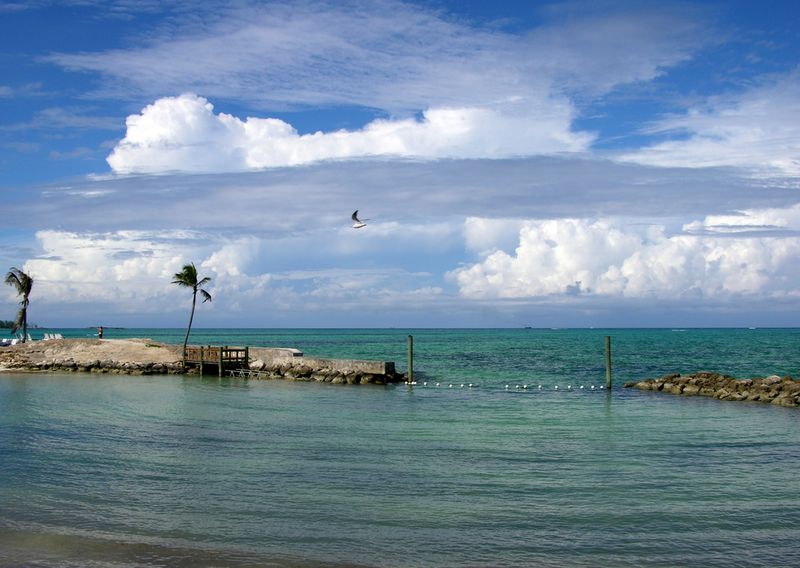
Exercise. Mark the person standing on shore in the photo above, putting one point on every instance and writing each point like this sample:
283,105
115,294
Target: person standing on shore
100,332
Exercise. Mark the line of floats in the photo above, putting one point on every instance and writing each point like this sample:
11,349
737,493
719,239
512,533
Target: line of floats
522,387
248,374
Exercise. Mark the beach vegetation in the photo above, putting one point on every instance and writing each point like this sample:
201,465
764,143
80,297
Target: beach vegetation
188,278
23,284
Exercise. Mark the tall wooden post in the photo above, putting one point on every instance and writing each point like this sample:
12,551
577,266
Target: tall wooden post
201,361
221,350
247,357
410,359
608,362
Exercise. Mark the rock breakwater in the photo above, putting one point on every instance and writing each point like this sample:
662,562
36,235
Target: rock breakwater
780,391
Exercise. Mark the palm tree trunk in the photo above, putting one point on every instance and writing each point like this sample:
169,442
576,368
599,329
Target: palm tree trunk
25,320
189,329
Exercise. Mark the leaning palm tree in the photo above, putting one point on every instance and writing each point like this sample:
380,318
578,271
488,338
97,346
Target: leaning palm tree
23,284
188,277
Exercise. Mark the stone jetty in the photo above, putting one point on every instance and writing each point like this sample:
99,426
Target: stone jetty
292,365
780,391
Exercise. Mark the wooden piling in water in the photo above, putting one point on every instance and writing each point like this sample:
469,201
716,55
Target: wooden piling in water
608,362
410,359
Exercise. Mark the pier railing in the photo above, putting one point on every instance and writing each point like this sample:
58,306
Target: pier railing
223,357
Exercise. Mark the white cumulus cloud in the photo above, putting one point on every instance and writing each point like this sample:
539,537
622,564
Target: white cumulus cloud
610,258
185,134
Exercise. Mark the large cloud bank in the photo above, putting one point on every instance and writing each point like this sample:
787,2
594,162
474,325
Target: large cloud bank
184,134
451,88
585,257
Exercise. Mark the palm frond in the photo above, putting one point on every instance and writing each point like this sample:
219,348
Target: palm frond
206,296
12,279
187,276
21,282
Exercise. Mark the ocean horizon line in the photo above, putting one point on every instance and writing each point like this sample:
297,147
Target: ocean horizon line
454,328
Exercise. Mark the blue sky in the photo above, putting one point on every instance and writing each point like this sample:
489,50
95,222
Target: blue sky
522,163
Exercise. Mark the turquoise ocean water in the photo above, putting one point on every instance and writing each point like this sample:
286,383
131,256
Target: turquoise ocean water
183,471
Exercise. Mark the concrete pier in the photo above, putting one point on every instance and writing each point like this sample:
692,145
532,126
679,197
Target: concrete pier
287,364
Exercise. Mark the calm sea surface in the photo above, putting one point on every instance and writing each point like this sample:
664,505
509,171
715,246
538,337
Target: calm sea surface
172,471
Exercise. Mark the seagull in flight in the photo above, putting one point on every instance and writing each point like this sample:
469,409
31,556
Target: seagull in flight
358,223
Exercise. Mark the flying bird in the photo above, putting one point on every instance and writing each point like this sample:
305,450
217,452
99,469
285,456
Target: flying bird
358,223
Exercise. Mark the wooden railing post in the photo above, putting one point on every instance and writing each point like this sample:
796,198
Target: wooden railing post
410,359
201,360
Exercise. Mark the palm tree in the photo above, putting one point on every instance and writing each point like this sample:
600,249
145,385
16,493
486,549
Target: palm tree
188,277
23,284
